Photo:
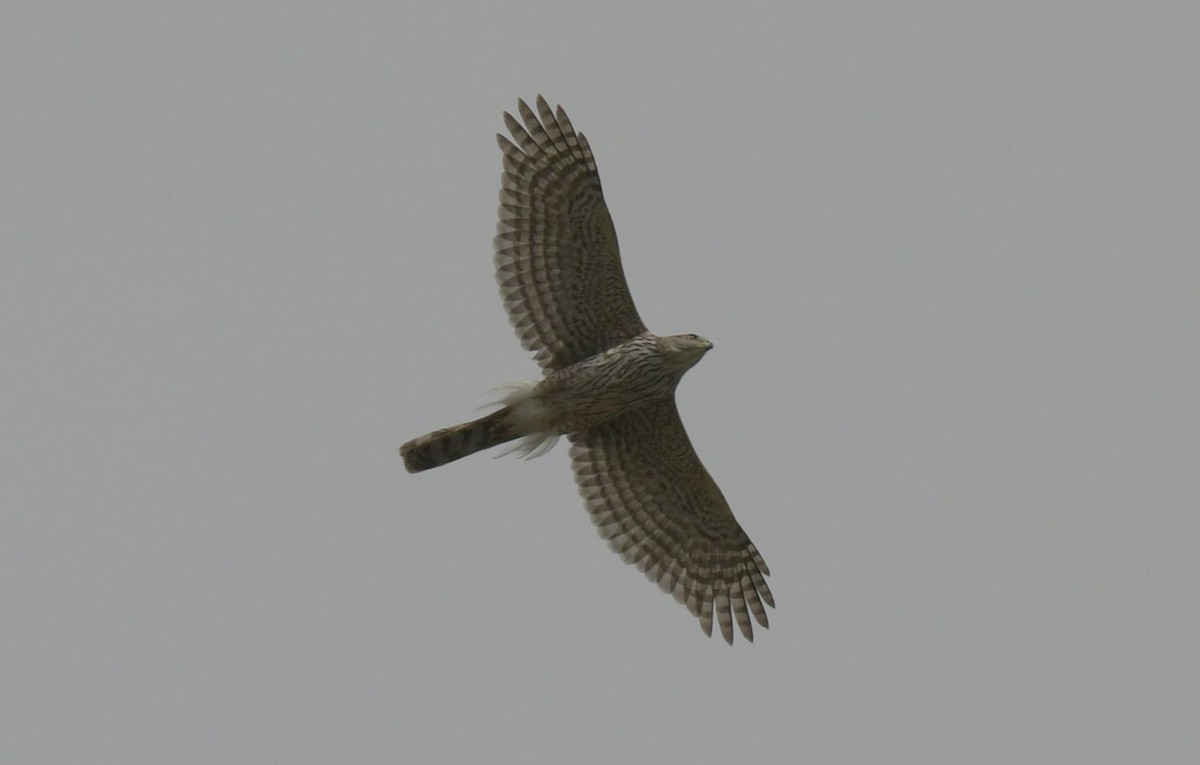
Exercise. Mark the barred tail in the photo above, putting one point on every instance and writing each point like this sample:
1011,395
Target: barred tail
454,443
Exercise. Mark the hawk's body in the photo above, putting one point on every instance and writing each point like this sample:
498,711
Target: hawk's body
609,383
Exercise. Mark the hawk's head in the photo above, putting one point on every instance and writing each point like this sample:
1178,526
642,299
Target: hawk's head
685,350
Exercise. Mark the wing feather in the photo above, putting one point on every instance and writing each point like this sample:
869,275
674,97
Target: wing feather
557,261
656,505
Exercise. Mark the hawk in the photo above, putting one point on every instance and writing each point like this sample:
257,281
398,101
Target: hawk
608,383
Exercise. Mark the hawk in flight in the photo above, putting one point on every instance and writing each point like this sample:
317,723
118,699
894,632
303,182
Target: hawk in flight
608,383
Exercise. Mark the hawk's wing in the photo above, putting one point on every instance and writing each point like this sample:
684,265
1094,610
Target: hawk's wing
660,509
556,250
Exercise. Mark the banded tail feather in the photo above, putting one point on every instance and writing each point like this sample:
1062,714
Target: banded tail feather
449,444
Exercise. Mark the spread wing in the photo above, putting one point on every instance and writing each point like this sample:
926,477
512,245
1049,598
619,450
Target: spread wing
658,507
556,250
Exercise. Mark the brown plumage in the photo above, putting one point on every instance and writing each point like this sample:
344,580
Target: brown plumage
609,383
448,444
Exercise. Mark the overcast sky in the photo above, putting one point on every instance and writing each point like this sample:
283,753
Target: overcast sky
949,257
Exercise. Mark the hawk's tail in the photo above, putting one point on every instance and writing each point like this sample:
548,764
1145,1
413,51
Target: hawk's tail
454,443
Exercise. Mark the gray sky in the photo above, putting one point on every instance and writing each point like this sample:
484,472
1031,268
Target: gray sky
949,259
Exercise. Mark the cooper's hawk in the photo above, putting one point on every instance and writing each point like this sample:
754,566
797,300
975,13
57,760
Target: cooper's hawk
608,385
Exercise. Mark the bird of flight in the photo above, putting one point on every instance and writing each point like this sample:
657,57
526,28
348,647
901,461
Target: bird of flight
608,383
